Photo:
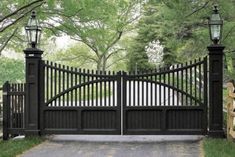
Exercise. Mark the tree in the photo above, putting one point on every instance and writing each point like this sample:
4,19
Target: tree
99,29
181,27
11,70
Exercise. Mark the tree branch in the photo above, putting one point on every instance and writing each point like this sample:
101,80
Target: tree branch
114,53
23,7
200,8
114,62
7,41
19,18
114,41
230,31
57,12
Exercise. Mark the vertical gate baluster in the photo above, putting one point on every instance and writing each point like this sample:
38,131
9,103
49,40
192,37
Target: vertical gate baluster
96,88
55,82
51,82
186,73
88,87
63,84
114,90
168,82
195,82
178,88
159,86
182,85
76,90
92,87
164,82
191,84
147,88
173,85
100,89
200,82
109,84
67,94
47,81
84,87
72,84
59,86
80,88
105,90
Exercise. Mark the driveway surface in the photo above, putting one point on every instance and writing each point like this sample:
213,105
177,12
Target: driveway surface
117,146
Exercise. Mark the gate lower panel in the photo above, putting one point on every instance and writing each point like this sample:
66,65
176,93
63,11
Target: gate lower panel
82,121
164,120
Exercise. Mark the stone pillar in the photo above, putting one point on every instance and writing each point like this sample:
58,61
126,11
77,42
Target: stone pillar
216,90
32,110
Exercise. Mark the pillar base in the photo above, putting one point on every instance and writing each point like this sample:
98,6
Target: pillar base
216,133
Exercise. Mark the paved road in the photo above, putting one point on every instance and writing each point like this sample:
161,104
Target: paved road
114,146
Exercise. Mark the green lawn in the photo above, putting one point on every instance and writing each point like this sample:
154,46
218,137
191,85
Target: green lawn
218,148
11,148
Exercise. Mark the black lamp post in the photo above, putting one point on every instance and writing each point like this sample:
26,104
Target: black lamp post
215,26
34,74
215,75
33,31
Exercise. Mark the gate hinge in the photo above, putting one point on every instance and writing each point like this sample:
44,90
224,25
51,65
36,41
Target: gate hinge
4,93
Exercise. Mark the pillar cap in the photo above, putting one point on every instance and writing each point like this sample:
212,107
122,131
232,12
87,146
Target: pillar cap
215,47
33,53
33,50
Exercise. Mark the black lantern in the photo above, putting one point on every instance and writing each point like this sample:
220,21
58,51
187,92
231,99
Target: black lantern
33,31
215,26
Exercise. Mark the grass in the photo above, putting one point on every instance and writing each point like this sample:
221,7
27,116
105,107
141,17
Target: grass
218,148
12,148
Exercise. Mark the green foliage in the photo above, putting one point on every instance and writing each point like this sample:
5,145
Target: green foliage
12,148
11,70
78,55
181,27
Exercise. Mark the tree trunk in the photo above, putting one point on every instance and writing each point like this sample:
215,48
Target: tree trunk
99,65
104,64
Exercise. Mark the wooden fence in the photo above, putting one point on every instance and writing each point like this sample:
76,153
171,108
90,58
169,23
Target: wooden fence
13,109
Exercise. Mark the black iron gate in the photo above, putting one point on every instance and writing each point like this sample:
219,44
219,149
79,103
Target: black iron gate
169,100
80,101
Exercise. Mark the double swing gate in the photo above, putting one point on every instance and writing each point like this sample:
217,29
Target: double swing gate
171,100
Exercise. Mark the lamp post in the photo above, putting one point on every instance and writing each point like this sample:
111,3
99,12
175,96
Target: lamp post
33,76
215,75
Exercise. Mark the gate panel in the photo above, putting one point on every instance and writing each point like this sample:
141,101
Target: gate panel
80,102
169,100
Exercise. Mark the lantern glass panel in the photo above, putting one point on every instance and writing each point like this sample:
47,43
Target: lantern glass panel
215,26
215,32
